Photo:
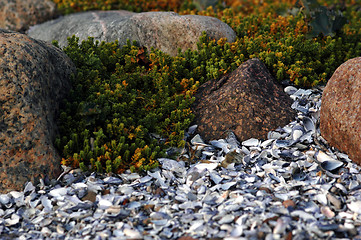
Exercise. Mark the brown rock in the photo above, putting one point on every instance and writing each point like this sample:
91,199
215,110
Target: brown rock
247,102
34,76
90,196
341,110
288,203
19,15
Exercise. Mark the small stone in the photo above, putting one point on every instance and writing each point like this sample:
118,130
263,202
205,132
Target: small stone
288,203
90,196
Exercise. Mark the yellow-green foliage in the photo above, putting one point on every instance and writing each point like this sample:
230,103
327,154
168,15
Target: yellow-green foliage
122,95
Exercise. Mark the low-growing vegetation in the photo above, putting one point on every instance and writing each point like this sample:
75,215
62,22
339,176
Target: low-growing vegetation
129,104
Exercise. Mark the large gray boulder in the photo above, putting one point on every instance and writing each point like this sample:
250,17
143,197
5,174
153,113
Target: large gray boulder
166,31
34,77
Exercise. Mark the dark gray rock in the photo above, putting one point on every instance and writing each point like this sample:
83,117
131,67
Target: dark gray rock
34,77
247,102
166,31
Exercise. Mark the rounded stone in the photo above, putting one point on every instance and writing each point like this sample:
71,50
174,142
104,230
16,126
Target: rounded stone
341,110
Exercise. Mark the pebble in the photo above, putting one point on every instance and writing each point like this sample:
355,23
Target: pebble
291,185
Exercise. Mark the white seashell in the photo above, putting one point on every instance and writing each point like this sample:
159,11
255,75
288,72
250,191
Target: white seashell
353,184
245,150
354,170
309,124
112,180
325,210
195,225
298,107
198,141
331,165
321,198
166,233
79,185
29,187
302,92
132,176
158,177
297,132
207,153
280,226
274,135
237,231
187,218
282,196
34,203
58,192
113,210
346,215
161,222
172,165
232,139
267,143
145,179
290,90
4,199
158,216
228,185
206,166
181,197
341,187
202,189
16,194
355,207
287,129
215,177
134,205
252,142
232,207
192,129
132,234
38,219
222,144
13,220
284,143
60,229
46,231
334,201
46,203
104,203
250,179
125,189
305,216
190,205
322,156
226,219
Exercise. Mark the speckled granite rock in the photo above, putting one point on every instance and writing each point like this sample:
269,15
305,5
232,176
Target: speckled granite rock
18,15
166,31
247,102
34,76
341,109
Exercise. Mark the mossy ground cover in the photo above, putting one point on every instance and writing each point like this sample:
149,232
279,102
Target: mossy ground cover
128,104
